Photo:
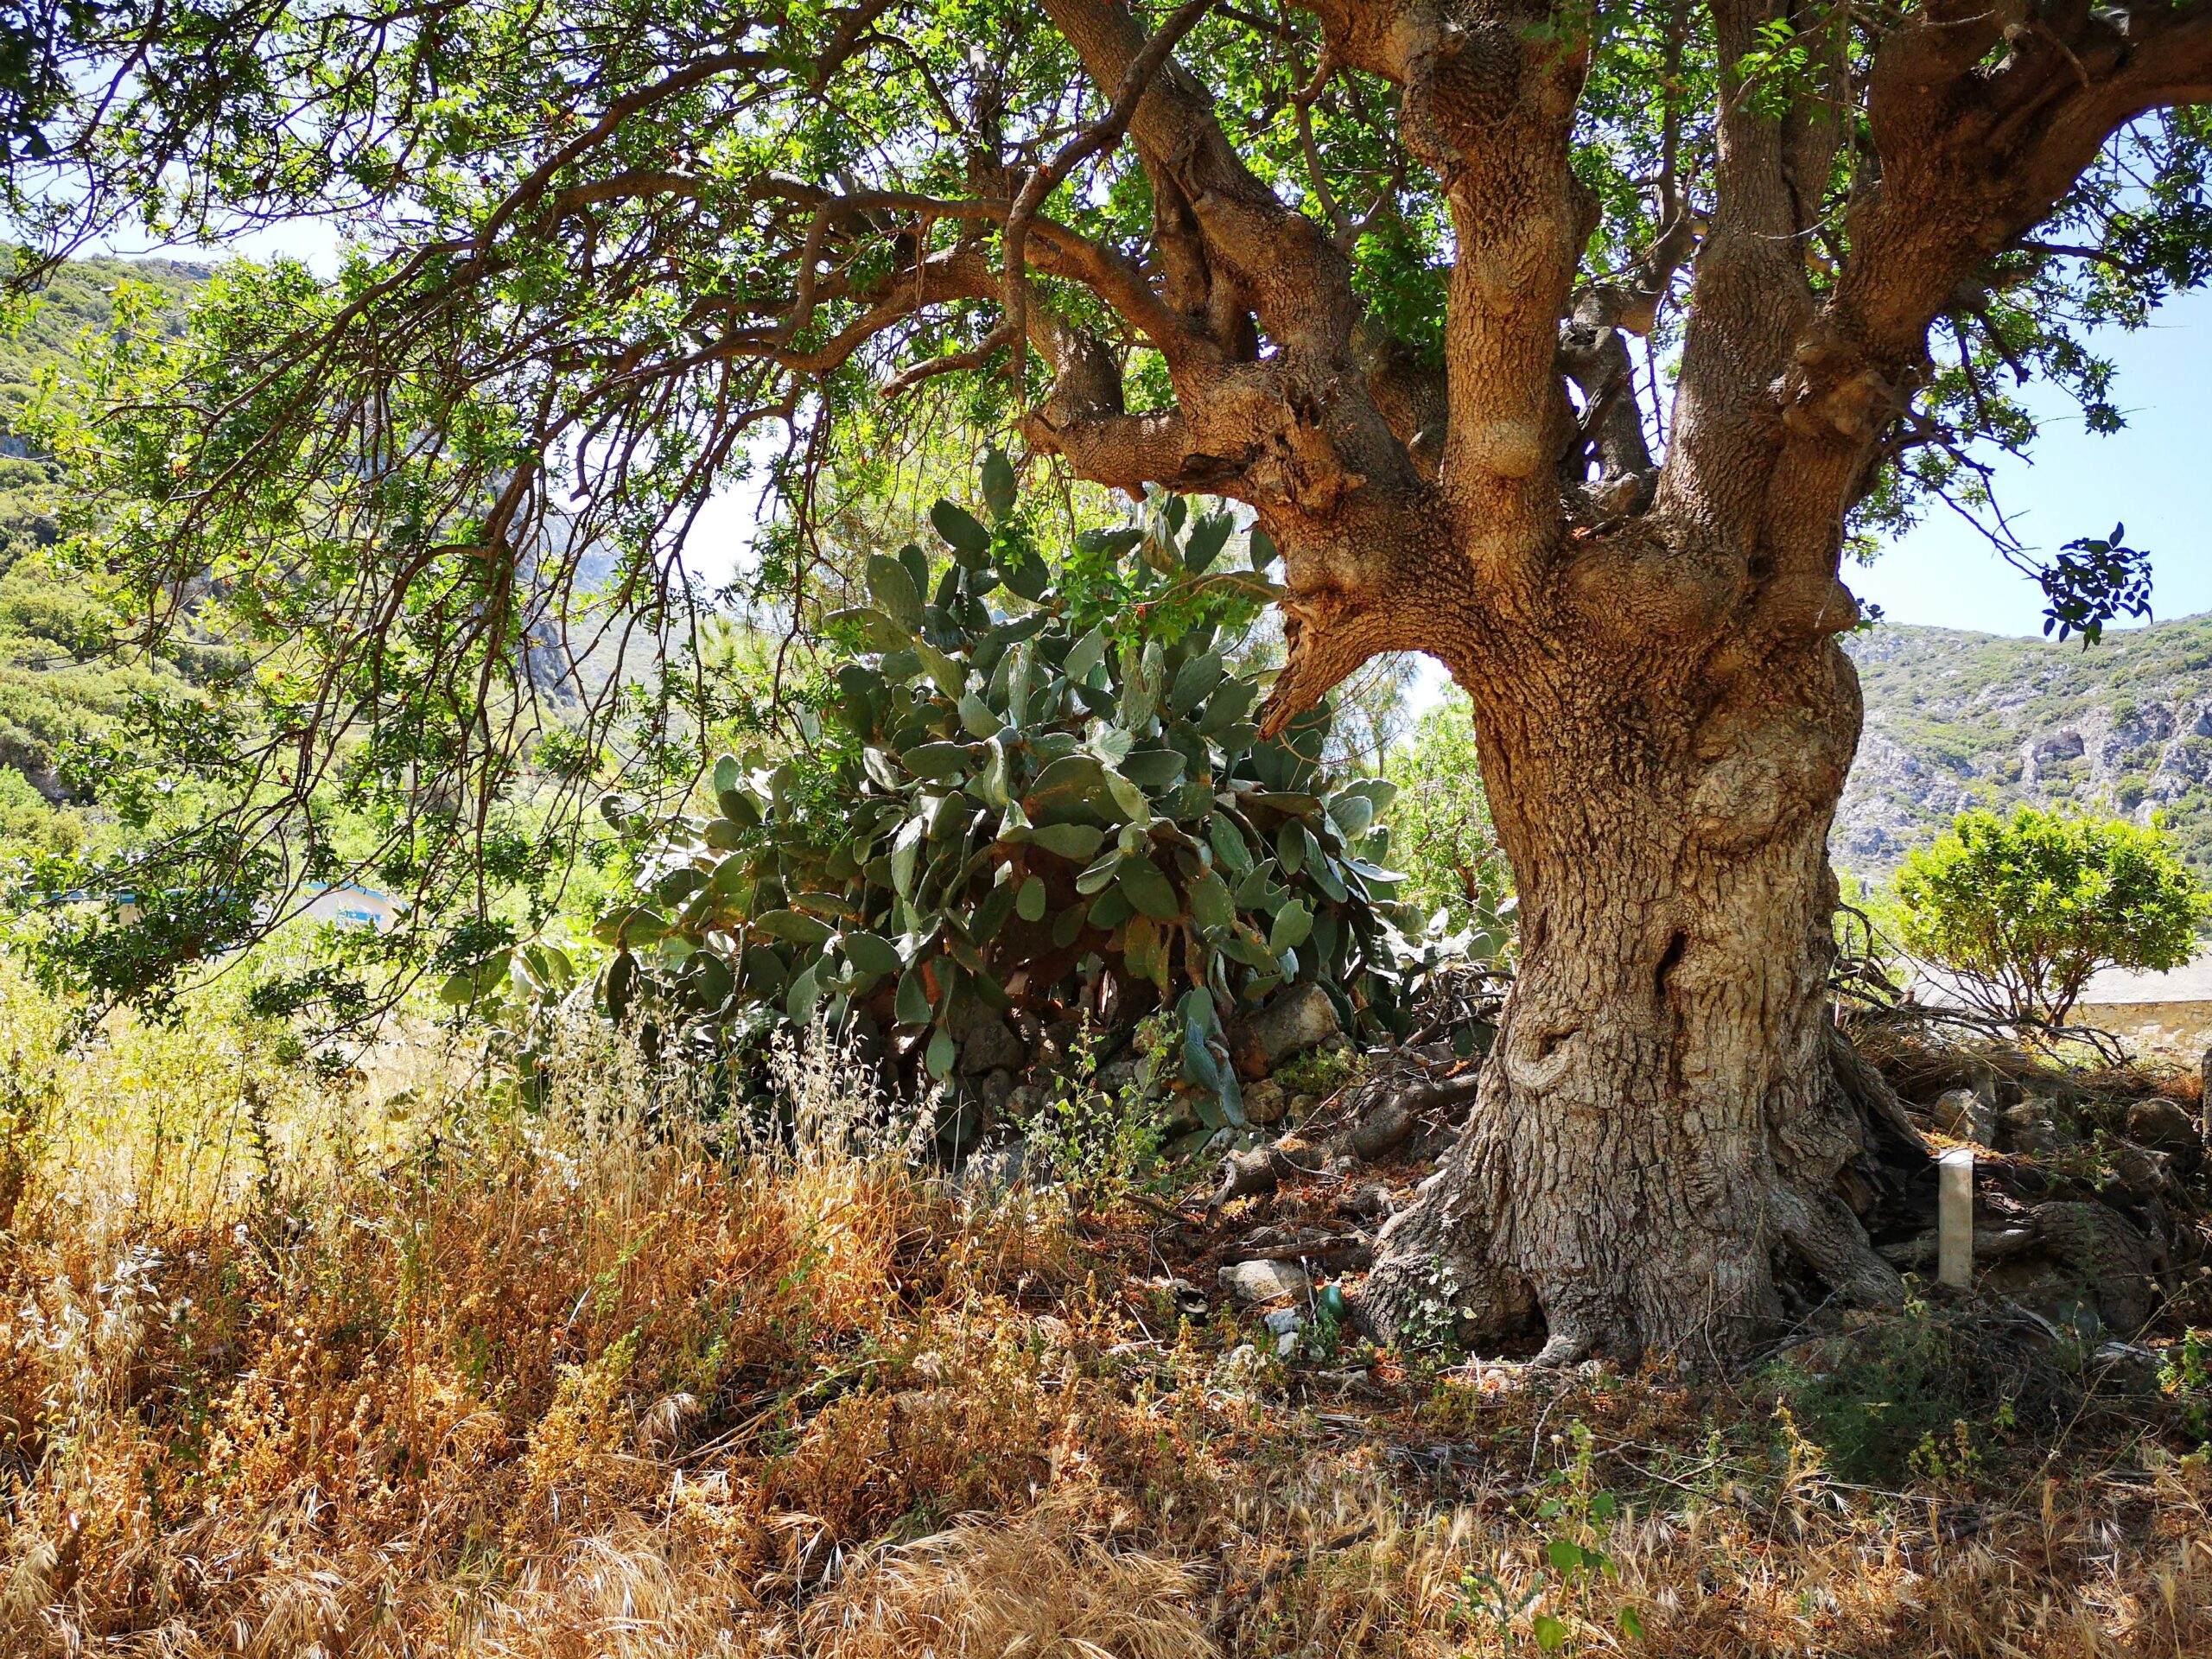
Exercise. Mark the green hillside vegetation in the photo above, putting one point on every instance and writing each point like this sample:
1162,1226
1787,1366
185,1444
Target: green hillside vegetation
57,684
1956,720
80,296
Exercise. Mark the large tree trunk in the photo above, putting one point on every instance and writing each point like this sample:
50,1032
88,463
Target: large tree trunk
1653,1156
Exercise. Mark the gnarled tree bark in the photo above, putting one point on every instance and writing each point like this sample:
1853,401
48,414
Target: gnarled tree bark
1657,1138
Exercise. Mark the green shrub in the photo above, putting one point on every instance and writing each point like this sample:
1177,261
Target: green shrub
2021,912
1442,835
1098,1143
1928,1392
1318,1071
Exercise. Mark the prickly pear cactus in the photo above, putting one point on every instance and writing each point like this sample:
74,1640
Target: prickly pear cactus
1027,805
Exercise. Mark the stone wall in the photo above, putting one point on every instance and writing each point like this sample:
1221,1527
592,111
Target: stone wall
2182,1030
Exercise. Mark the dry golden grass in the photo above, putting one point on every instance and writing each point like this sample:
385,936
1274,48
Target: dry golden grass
295,1371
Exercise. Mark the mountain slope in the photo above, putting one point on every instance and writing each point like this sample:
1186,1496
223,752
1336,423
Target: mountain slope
57,685
1956,719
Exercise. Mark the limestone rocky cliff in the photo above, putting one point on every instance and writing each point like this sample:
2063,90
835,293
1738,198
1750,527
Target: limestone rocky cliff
1956,719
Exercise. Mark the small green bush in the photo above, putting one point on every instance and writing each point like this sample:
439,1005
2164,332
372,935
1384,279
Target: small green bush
1318,1071
1928,1393
2021,910
1101,1144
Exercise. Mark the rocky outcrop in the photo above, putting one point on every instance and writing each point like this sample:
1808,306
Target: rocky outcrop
1956,720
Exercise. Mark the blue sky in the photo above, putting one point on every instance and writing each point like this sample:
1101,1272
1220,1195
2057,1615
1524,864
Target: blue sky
2153,476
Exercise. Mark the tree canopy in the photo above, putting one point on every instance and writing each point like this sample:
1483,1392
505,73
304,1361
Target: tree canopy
600,260
619,220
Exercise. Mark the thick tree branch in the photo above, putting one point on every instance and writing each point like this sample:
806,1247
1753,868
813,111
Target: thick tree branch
1750,305
1298,432
1972,156
1298,283
1100,135
1064,253
1489,105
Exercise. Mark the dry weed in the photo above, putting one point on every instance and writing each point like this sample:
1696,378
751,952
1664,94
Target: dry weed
292,1370
1045,1585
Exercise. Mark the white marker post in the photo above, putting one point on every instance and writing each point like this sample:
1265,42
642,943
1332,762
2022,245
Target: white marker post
1954,1218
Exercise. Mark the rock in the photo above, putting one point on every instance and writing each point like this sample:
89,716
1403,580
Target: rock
1025,1102
1221,1141
1302,1106
1286,1321
2031,1110
995,1091
1964,1113
2030,1129
2166,1125
1253,1282
987,1044
1265,1103
2139,1174
1299,1018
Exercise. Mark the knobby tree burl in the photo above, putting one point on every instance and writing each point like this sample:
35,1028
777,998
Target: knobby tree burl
1571,345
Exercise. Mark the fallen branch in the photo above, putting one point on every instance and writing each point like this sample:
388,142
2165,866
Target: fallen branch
1375,1136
